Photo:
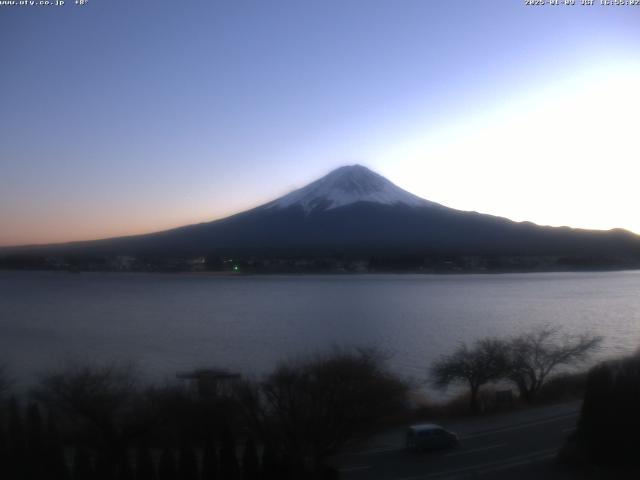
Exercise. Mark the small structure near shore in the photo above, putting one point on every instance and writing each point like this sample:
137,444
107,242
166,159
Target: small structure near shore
210,382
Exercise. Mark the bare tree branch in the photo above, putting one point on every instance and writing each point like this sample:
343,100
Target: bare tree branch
316,405
534,355
485,361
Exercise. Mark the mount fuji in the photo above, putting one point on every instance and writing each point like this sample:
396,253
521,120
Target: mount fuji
355,212
348,185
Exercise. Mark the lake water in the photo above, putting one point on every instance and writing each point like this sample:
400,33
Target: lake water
171,322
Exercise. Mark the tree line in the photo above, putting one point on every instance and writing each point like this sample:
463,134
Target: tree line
526,361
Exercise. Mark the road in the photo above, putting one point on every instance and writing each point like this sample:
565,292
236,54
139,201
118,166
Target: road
490,448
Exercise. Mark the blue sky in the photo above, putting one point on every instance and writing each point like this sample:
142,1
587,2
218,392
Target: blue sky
123,117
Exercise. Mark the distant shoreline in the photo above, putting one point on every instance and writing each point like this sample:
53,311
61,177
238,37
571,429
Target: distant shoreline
226,274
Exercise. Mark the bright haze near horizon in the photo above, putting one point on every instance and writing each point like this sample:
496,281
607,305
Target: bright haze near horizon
124,117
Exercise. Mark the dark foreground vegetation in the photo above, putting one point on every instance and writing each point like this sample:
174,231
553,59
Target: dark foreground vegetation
606,438
101,422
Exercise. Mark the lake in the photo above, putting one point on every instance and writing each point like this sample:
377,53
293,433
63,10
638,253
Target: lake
171,322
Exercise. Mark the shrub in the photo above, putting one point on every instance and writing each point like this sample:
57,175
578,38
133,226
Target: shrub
312,407
610,419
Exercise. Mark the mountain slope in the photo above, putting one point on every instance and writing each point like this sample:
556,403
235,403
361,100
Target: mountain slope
357,212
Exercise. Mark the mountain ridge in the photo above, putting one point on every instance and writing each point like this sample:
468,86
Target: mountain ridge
355,212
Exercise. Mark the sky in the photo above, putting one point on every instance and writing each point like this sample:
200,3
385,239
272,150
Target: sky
120,117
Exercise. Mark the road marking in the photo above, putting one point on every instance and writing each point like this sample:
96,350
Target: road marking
355,469
519,427
488,466
479,449
527,461
482,433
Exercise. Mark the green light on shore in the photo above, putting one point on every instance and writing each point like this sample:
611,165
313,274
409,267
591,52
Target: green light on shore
236,268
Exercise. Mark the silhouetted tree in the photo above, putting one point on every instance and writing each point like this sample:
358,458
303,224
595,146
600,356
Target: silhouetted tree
4,449
125,471
610,418
105,405
17,442
312,407
485,361
82,465
210,462
96,397
534,355
229,469
187,463
145,466
286,467
5,382
55,461
330,473
167,467
250,462
269,464
107,464
36,453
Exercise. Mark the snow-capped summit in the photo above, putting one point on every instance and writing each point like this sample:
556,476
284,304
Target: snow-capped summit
347,185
